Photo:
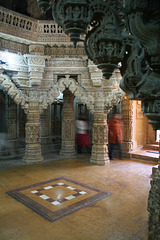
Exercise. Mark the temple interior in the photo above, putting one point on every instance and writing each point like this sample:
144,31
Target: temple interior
48,190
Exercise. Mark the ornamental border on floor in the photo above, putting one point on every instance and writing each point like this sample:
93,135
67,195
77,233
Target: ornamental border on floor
57,213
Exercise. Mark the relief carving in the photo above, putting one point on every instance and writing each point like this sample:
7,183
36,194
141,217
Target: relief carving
32,133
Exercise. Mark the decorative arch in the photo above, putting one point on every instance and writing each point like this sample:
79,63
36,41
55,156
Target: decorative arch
12,90
71,84
114,98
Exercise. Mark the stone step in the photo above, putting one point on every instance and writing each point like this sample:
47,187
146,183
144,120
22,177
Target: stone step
152,147
137,156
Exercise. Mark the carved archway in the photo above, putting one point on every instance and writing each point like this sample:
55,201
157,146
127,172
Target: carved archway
77,90
70,83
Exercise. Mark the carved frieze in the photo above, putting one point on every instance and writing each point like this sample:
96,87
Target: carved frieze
35,61
13,46
65,51
65,63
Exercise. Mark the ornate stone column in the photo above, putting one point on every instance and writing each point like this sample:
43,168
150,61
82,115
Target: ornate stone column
99,153
151,109
33,147
36,69
128,118
154,206
68,125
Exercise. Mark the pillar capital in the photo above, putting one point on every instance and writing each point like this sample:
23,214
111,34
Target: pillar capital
36,67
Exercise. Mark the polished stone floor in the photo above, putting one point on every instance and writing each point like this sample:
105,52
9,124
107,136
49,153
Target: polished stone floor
110,201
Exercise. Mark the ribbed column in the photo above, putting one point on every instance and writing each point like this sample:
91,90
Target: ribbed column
99,153
33,138
68,125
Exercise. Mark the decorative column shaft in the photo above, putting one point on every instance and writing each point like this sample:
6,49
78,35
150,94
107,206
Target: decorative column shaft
33,147
99,153
68,125
127,113
154,207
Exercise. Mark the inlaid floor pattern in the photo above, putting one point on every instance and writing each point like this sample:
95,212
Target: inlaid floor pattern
57,197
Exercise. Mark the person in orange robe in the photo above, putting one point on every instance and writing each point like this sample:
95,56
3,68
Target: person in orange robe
115,135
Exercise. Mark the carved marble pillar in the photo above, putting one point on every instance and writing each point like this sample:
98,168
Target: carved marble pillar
99,153
68,125
128,118
33,147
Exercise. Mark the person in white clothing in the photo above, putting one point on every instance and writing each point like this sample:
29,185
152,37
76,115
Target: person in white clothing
82,130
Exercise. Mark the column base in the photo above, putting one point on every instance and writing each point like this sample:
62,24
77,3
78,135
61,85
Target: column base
68,148
32,160
33,154
99,162
68,154
99,155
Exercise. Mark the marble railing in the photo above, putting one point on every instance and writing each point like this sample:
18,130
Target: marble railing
26,29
